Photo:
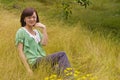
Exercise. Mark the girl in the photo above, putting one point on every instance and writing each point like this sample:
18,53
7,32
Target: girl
29,42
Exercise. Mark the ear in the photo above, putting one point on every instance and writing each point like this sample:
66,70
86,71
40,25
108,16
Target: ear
24,20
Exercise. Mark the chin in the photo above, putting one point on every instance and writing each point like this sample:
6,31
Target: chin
31,25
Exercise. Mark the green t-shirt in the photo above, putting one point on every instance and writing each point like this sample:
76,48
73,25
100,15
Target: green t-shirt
31,48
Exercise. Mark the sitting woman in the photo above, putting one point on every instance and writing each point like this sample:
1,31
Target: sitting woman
29,42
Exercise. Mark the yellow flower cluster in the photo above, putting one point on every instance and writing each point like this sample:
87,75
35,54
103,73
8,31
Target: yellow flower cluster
68,71
85,77
52,77
77,75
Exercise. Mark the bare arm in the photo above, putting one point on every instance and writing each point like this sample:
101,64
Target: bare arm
45,37
44,32
23,58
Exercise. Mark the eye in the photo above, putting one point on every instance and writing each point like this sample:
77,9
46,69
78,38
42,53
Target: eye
34,17
29,17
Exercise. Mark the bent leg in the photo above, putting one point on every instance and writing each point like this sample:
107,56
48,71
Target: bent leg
61,59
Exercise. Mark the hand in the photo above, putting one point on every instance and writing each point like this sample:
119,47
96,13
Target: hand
40,25
30,72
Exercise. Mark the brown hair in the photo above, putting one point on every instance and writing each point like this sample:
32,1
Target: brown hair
27,12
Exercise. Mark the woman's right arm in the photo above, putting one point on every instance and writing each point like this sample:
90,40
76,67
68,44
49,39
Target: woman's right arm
23,58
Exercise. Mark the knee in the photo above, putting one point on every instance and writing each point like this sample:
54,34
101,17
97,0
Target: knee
63,53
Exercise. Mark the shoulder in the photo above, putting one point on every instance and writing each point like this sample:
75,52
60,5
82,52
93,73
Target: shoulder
19,36
20,30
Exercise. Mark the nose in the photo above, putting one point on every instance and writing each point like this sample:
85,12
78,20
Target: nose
32,19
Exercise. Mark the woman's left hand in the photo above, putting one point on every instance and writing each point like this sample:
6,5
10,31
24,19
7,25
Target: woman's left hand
40,25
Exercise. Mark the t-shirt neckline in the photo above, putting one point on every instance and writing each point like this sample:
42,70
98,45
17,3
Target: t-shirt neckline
36,36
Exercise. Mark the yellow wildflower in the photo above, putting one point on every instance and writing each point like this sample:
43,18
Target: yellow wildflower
78,79
77,72
67,74
68,69
65,71
46,78
83,77
88,75
70,73
59,79
53,76
75,75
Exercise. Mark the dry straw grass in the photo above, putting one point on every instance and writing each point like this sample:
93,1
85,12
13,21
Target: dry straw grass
88,53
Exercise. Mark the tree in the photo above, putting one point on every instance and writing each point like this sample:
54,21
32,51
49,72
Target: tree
67,9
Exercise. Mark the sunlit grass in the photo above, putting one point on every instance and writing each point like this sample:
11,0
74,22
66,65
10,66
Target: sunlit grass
88,53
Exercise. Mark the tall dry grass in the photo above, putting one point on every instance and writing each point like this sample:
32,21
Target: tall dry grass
87,52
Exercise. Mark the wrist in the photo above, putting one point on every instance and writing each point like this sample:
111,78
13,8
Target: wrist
29,70
44,28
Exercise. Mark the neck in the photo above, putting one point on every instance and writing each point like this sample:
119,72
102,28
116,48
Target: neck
29,28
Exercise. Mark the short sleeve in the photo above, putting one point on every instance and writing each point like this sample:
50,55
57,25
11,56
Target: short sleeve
19,37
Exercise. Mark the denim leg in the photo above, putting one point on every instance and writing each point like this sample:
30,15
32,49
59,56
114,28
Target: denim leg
63,60
59,58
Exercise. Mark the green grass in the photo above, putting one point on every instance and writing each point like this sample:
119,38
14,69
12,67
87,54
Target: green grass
91,41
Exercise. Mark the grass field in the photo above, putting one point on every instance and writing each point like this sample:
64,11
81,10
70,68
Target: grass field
89,51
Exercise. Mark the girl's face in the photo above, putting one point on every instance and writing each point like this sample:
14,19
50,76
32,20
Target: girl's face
31,20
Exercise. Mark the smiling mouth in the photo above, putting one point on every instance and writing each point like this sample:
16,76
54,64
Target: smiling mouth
32,22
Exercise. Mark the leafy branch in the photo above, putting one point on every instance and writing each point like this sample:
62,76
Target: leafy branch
67,8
